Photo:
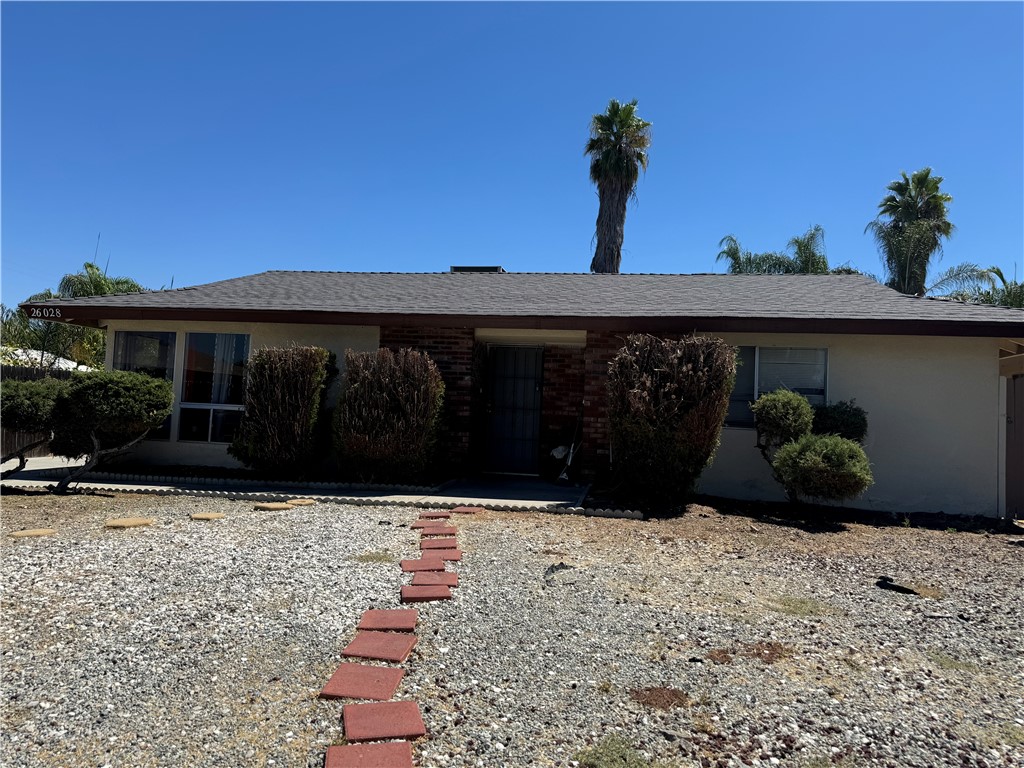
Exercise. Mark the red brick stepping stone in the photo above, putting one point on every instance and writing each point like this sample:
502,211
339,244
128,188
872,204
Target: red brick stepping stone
447,543
467,510
401,620
433,578
434,515
425,524
431,563
441,530
360,681
386,646
447,554
390,720
394,754
425,594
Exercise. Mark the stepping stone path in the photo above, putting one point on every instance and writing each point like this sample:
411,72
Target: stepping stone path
389,636
30,532
129,522
208,515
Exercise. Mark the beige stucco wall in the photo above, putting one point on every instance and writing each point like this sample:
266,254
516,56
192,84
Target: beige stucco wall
336,338
933,418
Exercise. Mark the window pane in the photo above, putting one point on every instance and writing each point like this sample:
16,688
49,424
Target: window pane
799,370
224,425
194,424
739,414
151,353
148,352
215,368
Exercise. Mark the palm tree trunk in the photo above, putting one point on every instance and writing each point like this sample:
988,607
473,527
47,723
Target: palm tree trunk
611,228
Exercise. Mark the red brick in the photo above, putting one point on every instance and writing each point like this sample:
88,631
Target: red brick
425,524
401,620
386,646
441,530
432,578
449,543
388,720
361,681
425,594
435,515
467,510
447,554
431,563
394,754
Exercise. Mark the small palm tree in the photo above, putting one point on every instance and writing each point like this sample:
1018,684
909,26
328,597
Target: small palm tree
911,224
809,252
617,148
92,282
1004,293
746,263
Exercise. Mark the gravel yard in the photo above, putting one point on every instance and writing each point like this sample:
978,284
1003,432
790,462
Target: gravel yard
205,643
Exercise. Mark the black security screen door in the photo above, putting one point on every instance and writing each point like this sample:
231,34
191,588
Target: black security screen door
514,399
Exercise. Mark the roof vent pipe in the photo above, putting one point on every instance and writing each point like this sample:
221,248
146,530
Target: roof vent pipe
477,269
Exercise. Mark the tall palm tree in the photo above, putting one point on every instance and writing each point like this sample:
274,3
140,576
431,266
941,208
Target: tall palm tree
911,224
618,146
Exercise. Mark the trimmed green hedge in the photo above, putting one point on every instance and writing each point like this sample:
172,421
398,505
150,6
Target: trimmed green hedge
825,467
844,418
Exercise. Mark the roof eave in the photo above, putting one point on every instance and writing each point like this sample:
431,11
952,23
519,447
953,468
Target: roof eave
92,315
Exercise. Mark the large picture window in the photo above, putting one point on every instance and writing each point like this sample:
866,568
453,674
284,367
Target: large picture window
151,353
765,369
212,386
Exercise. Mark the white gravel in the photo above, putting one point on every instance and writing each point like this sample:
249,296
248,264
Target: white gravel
204,644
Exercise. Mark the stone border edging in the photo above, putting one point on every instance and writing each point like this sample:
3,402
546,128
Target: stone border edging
123,477
627,514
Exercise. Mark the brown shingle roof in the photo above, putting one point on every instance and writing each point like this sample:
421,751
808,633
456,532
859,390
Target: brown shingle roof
842,303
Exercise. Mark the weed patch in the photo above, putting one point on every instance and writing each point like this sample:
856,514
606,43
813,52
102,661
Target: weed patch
613,752
948,663
800,606
374,557
766,652
660,698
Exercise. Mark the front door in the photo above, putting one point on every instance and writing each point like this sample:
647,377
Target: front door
514,377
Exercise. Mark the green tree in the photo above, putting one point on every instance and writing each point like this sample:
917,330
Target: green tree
92,282
56,340
618,146
807,256
911,224
1000,292
105,412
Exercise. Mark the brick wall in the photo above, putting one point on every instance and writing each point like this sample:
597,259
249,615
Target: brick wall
452,350
601,348
562,400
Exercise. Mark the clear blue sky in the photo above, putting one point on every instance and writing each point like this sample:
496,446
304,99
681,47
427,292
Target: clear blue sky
208,141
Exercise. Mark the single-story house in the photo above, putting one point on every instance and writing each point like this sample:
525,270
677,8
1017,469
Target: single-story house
525,355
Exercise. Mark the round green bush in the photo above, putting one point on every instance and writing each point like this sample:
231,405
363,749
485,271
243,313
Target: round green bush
825,467
781,417
26,406
845,418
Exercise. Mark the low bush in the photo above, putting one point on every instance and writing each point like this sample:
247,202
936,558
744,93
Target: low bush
283,392
824,467
780,417
27,406
387,416
844,418
667,404
105,412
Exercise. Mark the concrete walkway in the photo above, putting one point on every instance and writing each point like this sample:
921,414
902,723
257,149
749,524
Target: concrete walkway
493,491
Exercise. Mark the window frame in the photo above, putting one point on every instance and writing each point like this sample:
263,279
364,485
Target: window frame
183,405
749,425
